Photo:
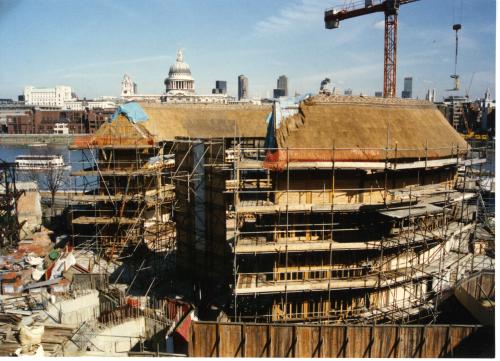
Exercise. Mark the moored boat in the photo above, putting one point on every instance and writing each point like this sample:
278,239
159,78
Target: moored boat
40,162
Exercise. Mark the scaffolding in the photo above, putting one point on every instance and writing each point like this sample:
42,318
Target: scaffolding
337,241
9,197
123,208
330,235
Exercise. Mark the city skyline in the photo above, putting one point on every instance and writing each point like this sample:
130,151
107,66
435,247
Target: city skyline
128,37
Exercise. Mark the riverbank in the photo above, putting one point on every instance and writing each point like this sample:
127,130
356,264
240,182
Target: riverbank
36,139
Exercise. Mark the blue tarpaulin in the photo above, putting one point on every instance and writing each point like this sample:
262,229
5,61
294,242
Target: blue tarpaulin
133,111
284,107
270,141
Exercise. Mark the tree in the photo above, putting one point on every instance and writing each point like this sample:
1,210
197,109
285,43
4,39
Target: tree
53,179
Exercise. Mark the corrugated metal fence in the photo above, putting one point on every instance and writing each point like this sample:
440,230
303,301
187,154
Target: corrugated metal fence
211,339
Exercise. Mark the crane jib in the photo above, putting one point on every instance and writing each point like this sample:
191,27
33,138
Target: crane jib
390,8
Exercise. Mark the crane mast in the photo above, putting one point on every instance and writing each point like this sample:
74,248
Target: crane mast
390,8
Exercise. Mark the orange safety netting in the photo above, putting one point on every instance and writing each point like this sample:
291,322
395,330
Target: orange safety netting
278,159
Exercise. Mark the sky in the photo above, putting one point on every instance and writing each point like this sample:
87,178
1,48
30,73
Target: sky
89,45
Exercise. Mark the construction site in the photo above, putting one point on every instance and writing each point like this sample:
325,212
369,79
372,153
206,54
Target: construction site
316,226
288,216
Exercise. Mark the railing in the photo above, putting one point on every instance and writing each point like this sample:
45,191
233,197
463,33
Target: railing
391,155
309,274
388,312
121,165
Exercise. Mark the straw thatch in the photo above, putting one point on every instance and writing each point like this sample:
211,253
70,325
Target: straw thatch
166,122
362,128
119,133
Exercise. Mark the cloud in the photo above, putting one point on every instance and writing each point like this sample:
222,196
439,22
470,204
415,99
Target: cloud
297,13
89,75
379,25
146,59
340,76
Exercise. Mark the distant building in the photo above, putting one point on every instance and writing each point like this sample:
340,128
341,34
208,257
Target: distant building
128,86
278,93
220,87
17,121
431,95
96,117
52,121
408,85
325,86
89,104
348,92
179,86
248,101
242,87
179,81
379,94
282,84
454,109
487,105
35,120
50,97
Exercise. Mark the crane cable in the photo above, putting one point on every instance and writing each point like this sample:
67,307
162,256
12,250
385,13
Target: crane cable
456,31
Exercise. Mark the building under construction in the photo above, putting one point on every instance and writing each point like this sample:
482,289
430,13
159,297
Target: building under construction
347,211
125,207
337,210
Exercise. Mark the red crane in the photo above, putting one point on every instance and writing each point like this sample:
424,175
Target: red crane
390,8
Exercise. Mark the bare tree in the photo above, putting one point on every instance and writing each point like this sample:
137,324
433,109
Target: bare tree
53,179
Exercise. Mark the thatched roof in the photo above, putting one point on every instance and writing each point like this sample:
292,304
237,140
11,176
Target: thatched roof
121,132
166,122
416,128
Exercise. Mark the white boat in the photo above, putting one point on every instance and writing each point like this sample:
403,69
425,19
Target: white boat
40,162
35,145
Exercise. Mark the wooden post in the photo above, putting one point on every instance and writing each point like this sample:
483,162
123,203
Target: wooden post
193,339
396,342
217,339
268,342
320,341
294,342
346,341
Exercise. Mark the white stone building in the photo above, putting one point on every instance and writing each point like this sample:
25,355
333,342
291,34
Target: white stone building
128,86
129,92
61,128
179,86
179,81
50,97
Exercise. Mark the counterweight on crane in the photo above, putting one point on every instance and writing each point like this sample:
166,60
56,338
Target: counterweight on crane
390,8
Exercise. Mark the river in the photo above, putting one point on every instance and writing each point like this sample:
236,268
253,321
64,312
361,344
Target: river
74,158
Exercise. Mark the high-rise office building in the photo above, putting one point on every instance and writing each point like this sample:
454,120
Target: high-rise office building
431,95
278,93
282,84
220,87
242,87
348,92
407,92
378,94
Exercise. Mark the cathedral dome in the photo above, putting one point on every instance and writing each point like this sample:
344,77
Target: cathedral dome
180,70
179,79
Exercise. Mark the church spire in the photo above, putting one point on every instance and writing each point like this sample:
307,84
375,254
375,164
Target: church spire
180,58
